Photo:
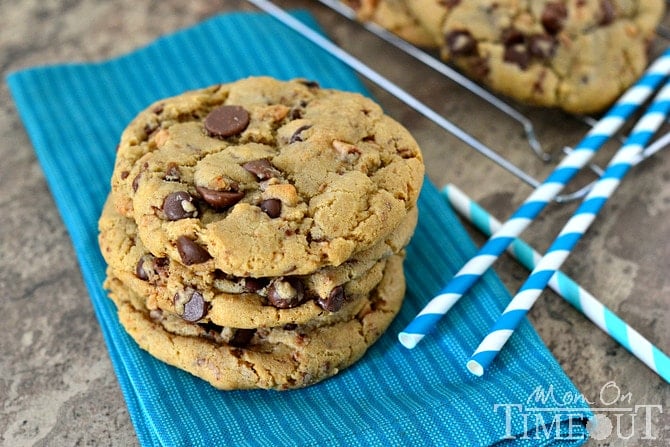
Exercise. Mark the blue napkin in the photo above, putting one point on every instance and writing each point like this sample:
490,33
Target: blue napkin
74,114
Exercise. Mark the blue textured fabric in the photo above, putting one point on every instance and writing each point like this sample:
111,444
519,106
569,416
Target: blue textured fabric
74,114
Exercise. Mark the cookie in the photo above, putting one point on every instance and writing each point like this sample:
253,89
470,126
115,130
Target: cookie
328,294
577,55
251,310
270,358
264,177
395,16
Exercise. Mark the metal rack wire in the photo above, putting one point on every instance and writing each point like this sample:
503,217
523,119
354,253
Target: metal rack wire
444,69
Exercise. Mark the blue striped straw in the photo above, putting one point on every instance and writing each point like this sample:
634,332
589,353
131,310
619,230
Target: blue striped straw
571,233
470,273
566,287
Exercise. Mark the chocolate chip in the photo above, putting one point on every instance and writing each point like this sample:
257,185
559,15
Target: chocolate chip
196,308
512,36
262,169
271,207
136,182
553,16
179,205
150,268
461,43
242,337
124,175
296,135
161,266
298,111
542,46
253,285
172,173
143,266
149,128
226,121
309,84
284,292
608,12
220,199
334,301
190,305
517,54
191,252
211,328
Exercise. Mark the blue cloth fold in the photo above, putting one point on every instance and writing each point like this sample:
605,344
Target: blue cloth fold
74,114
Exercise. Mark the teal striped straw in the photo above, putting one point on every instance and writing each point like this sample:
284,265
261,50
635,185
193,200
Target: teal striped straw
566,287
571,233
473,270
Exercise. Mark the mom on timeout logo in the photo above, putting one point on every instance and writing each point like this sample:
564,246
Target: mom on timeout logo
615,417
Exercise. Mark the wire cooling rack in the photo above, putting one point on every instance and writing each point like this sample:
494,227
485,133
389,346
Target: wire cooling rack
516,114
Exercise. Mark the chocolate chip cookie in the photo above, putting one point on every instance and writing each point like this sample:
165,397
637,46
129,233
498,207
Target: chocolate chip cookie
326,295
265,177
255,231
578,55
282,357
397,17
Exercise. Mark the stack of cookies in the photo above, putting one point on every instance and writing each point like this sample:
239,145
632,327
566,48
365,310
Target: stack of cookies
578,55
255,230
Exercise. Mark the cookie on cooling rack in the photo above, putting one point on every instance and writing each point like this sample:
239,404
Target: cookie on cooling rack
397,17
575,55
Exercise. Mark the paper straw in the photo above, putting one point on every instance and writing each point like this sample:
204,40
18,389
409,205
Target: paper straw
566,287
571,233
470,273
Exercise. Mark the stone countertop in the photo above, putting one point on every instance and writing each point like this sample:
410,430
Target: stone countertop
57,385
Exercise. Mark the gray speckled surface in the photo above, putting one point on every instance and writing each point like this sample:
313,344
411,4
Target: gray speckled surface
57,386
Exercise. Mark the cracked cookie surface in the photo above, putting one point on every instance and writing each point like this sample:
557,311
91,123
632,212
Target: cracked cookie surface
264,177
578,55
